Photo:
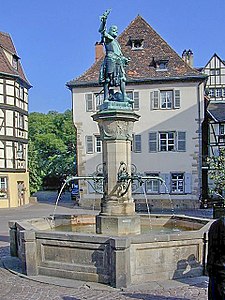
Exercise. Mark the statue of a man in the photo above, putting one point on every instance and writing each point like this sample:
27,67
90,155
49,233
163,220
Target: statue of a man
112,71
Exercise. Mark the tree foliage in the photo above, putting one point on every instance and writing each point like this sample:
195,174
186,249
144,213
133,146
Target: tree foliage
52,147
217,172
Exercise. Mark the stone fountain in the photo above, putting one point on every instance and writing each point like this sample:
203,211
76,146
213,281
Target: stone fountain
118,253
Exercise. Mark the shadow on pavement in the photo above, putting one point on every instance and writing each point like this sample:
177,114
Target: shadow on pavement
50,197
151,297
70,298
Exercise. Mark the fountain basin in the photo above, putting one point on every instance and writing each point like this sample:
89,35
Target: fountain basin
115,260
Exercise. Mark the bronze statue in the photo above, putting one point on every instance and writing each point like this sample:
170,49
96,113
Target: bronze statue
112,72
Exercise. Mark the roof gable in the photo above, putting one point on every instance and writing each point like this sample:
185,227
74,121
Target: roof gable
213,60
7,51
140,67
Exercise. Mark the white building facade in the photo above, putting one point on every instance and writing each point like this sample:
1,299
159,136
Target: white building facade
169,97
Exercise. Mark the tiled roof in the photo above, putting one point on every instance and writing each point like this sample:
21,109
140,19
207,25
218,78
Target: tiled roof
217,111
141,66
6,43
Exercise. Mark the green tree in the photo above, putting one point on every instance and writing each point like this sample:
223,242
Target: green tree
52,140
217,173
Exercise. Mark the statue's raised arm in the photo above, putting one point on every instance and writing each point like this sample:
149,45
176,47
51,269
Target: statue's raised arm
103,19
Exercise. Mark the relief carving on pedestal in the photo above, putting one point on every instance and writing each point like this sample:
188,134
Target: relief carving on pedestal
116,130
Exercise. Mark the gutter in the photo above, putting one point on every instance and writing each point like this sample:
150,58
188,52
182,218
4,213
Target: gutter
74,83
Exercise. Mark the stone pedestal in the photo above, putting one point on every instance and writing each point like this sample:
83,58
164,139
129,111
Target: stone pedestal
117,214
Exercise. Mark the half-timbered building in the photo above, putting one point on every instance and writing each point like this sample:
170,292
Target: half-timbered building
14,87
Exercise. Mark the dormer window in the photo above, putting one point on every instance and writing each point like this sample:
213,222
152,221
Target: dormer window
15,62
136,44
161,65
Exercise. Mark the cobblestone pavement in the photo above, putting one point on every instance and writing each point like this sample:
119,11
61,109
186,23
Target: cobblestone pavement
13,286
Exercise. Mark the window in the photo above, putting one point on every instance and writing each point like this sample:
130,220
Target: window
161,65
134,96
89,144
221,129
93,103
15,62
211,93
218,93
3,187
223,92
20,152
152,185
21,93
167,141
168,99
136,143
214,71
98,144
177,183
89,102
21,121
137,44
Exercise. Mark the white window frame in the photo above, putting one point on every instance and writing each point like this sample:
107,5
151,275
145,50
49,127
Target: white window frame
177,183
218,92
169,141
98,144
166,99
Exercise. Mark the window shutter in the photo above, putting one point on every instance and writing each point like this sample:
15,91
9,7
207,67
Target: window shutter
136,100
154,96
152,141
188,183
89,144
177,99
89,102
137,143
181,141
165,186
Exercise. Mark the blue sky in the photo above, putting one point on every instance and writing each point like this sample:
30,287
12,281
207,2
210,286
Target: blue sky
55,38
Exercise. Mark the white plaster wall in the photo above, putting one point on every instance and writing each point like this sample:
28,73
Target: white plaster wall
183,119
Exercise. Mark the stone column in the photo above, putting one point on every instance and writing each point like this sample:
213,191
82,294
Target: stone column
117,214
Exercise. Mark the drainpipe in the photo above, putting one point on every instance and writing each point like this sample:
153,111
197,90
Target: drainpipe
199,143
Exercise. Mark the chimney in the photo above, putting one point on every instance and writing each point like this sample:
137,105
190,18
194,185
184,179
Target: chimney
99,50
188,57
